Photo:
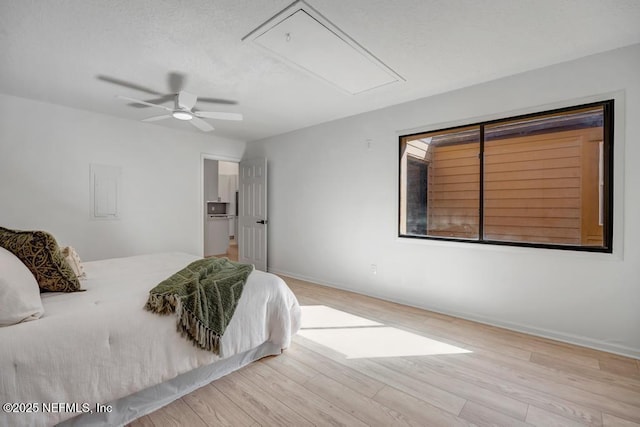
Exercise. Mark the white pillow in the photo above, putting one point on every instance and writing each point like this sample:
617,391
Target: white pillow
19,292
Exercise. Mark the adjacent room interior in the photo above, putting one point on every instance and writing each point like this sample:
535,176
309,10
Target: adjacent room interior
352,213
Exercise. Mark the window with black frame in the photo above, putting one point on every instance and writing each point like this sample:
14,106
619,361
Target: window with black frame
543,179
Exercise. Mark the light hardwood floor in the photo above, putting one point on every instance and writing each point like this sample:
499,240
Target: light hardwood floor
505,379
232,252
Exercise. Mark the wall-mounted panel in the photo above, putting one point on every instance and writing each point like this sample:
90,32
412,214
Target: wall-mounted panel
106,184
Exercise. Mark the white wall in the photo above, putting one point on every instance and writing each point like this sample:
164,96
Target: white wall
333,213
210,174
45,153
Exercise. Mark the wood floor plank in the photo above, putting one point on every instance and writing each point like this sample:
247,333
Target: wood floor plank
360,406
351,378
424,391
475,340
141,422
556,375
418,409
541,418
616,380
464,389
521,374
176,414
216,409
259,404
290,367
453,366
534,344
587,382
620,366
307,404
482,416
609,420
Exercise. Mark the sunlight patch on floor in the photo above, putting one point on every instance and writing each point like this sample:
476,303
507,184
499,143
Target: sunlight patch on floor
358,337
321,316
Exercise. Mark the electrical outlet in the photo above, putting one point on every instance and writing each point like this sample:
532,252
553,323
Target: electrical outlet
374,269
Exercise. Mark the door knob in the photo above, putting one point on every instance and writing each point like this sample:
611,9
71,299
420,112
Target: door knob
262,221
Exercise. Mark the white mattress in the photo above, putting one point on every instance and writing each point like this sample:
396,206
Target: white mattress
101,345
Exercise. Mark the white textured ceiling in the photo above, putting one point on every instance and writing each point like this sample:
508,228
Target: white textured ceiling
53,50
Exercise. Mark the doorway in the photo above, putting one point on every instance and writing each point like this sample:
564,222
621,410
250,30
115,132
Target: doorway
219,206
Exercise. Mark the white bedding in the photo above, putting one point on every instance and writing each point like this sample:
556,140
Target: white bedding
101,345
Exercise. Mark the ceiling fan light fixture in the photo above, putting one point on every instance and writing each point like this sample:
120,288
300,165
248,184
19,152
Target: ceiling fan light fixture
184,102
182,115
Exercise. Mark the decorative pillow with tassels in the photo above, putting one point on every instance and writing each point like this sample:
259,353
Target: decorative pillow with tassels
73,259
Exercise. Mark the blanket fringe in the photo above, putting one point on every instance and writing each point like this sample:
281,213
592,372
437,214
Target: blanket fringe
188,324
161,304
201,336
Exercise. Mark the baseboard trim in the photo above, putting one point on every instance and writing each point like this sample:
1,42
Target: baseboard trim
517,327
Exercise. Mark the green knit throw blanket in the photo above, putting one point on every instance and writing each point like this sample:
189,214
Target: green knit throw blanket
204,296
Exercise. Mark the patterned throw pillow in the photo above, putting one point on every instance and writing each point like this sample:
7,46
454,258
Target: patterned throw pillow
39,251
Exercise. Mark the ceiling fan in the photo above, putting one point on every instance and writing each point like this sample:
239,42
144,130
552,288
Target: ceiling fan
175,82
183,103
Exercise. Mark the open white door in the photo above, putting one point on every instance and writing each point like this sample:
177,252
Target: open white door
252,213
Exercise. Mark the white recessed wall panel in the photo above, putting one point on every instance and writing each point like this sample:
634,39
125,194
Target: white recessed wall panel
106,182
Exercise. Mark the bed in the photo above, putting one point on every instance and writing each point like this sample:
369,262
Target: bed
100,347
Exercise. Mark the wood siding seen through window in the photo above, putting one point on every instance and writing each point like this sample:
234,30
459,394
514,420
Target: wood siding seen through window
538,187
454,191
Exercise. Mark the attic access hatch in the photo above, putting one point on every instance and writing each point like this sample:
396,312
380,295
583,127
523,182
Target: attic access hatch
305,39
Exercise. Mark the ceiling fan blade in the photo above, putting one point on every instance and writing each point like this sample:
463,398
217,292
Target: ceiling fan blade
156,118
187,100
218,115
160,100
144,102
218,101
201,124
127,84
